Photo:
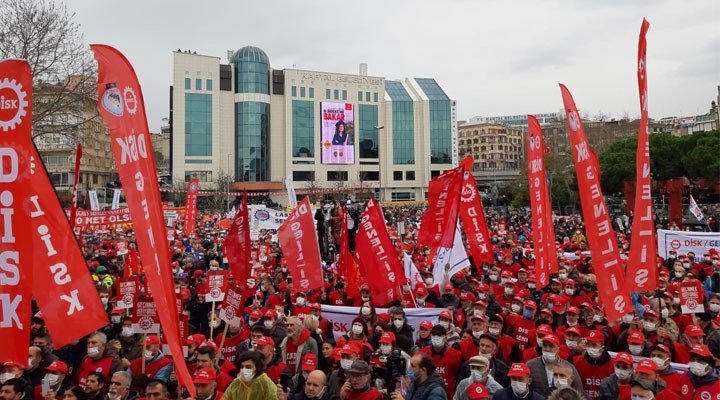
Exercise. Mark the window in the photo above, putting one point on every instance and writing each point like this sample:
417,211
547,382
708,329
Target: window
367,97
198,124
368,135
208,84
337,176
344,94
397,175
61,178
440,126
375,97
360,96
336,94
312,93
327,93
303,176
434,174
409,175
203,176
198,84
369,176
403,196
303,128
302,91
187,83
252,75
252,139
293,91
403,131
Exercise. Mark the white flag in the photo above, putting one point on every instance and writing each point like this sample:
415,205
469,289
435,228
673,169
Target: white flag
94,203
411,272
290,186
116,199
695,209
456,256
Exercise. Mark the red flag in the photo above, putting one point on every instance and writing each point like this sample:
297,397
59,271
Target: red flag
354,278
16,244
121,105
600,234
472,216
237,246
76,178
191,206
132,264
299,243
641,269
542,224
379,263
344,247
437,228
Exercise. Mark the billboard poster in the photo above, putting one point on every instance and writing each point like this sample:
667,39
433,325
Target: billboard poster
338,133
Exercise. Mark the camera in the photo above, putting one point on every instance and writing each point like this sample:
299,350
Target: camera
394,369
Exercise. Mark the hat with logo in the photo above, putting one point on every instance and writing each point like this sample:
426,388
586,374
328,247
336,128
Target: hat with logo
694,331
477,391
309,362
426,325
387,338
551,339
623,357
519,370
646,366
703,352
265,341
204,376
57,366
446,315
596,336
348,349
152,340
636,337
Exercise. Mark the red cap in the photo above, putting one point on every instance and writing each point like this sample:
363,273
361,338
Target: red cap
195,339
573,329
544,329
255,314
511,282
56,366
265,341
652,313
530,305
446,315
315,306
573,310
546,311
532,278
570,282
349,349
448,287
309,362
694,331
198,273
477,391
387,338
204,375
506,274
270,314
481,304
478,317
483,287
646,366
700,350
596,336
519,369
151,340
426,325
662,348
365,287
624,358
636,337
117,311
421,291
551,339
384,318
467,296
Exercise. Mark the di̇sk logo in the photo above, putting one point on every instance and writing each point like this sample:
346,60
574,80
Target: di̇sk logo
193,187
573,120
130,98
467,194
145,323
13,106
262,215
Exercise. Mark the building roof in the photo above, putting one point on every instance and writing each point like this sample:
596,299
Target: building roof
396,91
431,88
252,54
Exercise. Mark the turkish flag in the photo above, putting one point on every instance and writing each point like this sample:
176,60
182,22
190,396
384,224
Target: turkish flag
191,206
299,243
19,163
120,102
237,246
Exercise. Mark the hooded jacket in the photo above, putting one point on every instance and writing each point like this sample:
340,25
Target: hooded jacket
433,388
305,345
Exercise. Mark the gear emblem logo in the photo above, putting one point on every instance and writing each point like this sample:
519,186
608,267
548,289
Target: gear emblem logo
13,104
130,99
467,194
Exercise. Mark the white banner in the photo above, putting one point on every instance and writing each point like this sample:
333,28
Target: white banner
116,199
341,317
262,217
94,203
456,256
411,272
290,186
683,242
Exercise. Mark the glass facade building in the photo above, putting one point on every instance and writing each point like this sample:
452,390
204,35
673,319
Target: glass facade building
198,124
303,128
440,121
368,135
403,123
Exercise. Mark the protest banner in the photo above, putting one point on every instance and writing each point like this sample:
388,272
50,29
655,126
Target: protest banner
127,293
341,317
145,319
684,242
692,297
217,281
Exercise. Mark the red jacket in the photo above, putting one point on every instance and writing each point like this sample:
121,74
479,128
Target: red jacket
151,368
592,374
448,364
229,346
522,330
469,347
88,365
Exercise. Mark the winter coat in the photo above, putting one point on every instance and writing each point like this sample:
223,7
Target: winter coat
433,388
540,383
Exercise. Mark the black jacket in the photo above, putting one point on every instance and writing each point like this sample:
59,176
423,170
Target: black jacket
508,394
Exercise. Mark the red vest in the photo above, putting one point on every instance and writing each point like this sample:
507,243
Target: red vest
150,368
591,375
89,365
229,349
448,363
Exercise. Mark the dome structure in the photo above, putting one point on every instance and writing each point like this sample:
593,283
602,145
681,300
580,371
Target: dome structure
250,54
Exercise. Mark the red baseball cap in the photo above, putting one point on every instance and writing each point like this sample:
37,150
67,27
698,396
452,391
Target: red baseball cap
551,339
426,325
265,341
270,314
204,375
624,358
309,362
652,313
544,329
421,291
694,331
477,391
700,350
519,369
530,305
596,336
387,337
196,339
446,315
646,366
478,317
636,337
56,366
348,349
151,340
573,329
117,311
573,310
315,306
662,348
448,287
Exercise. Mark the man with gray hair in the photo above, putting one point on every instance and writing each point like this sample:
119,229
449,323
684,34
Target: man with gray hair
479,373
120,387
97,359
297,343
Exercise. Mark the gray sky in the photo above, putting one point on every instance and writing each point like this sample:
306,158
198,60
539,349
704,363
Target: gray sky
493,57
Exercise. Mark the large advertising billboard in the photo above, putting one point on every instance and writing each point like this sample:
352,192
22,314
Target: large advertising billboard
338,133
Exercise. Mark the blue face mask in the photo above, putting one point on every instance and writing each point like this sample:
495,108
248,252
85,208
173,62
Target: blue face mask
411,374
527,314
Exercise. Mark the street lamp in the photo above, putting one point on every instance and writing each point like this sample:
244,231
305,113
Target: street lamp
377,133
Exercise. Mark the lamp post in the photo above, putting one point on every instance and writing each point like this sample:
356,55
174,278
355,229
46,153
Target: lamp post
377,132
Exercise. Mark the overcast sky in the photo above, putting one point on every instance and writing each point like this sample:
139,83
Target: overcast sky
493,57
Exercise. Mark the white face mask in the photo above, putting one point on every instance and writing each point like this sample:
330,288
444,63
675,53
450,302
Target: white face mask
569,291
398,323
476,376
628,318
598,318
494,331
365,298
665,312
357,329
365,311
659,361
345,364
52,379
104,300
679,274
649,326
676,302
268,323
698,369
246,374
300,301
509,291
385,348
481,296
477,334
148,355
444,324
493,278
562,276
93,351
503,281
549,356
622,374
714,307
429,281
215,323
571,344
635,349
436,341
213,268
519,388
560,382
531,286
515,308
127,332
6,377
594,353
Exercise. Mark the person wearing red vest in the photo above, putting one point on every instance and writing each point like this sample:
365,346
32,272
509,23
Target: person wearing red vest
446,358
274,365
205,385
703,374
693,335
594,365
97,360
157,365
235,336
646,370
522,328
300,308
532,352
675,381
470,346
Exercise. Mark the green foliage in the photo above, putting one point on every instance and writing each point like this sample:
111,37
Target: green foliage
671,157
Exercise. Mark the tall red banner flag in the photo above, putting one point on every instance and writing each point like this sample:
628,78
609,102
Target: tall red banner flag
472,216
379,264
344,247
641,269
191,206
76,179
542,224
237,245
121,105
299,243
16,242
437,228
600,234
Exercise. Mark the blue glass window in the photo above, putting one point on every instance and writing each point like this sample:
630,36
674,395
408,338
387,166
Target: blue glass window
403,123
368,134
187,83
360,96
302,91
252,138
303,128
367,97
344,94
440,125
312,93
198,124
208,84
327,93
293,91
336,95
375,97
198,84
252,71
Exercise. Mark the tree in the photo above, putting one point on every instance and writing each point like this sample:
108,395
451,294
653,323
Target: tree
222,182
46,35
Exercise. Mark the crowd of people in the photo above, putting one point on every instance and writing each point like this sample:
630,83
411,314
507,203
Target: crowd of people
498,336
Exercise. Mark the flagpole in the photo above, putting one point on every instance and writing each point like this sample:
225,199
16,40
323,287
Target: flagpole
222,342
